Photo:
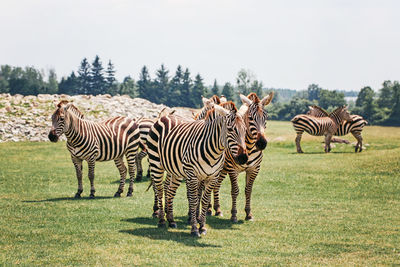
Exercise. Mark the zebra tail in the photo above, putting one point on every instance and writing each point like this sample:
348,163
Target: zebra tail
151,183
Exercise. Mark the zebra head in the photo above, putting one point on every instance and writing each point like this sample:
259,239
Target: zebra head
256,117
236,133
317,111
341,114
59,119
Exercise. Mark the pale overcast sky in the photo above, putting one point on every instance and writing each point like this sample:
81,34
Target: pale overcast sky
344,44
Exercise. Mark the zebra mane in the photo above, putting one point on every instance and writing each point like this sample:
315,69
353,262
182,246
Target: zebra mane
253,97
229,106
69,106
319,109
215,99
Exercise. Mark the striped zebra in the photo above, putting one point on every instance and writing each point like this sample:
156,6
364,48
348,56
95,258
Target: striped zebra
255,118
193,150
354,127
144,128
91,141
319,126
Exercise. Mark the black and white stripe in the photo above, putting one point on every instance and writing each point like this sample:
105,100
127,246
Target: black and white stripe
91,141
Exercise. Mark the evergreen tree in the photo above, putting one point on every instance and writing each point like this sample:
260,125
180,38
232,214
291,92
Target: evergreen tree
5,72
144,83
84,77
394,118
160,87
174,96
186,89
98,84
52,84
365,93
228,91
214,89
197,92
70,85
110,79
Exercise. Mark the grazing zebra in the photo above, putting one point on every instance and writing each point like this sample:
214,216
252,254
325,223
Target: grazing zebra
193,150
92,141
319,126
144,128
255,117
354,127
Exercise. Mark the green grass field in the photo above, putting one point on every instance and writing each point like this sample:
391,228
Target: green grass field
340,208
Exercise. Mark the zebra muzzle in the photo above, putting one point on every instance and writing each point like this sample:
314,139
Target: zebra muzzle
52,136
261,143
242,156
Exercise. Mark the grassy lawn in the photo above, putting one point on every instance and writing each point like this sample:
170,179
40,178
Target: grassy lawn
340,208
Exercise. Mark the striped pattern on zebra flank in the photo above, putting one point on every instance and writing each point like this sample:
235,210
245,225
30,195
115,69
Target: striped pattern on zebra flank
92,141
144,125
255,117
192,150
319,126
354,127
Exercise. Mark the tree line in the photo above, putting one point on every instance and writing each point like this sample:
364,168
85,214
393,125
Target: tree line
182,89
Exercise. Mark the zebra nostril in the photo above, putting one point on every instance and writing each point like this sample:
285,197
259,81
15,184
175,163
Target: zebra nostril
261,143
242,158
53,137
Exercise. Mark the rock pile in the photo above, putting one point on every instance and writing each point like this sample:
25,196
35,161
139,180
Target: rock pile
28,118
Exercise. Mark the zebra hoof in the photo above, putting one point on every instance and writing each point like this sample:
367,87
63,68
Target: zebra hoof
77,195
209,213
203,231
91,196
172,225
219,214
161,225
195,234
129,194
155,214
249,218
234,219
117,194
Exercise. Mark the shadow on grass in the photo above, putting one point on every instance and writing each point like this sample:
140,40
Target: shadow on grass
322,152
181,221
66,199
127,181
155,233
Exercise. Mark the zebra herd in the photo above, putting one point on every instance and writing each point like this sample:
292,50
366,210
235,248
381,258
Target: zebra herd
220,140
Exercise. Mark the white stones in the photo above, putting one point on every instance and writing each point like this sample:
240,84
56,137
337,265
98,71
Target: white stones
28,118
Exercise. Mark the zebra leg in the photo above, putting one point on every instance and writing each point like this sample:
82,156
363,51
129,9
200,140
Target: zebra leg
205,199
170,199
298,139
250,177
131,159
91,164
217,187
119,162
328,138
357,135
166,184
234,193
78,168
192,186
157,175
148,171
139,157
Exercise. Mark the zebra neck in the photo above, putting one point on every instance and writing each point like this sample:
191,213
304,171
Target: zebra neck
75,132
335,118
217,131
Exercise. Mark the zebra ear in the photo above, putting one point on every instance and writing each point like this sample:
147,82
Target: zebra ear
266,100
207,102
245,100
310,107
221,111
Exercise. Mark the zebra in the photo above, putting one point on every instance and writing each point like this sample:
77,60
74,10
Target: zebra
144,128
255,117
319,126
354,127
193,150
92,141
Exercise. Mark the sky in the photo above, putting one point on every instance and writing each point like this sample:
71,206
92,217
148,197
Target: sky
338,44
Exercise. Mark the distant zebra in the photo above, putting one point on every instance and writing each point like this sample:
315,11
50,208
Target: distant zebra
255,117
319,126
91,141
354,127
144,128
193,150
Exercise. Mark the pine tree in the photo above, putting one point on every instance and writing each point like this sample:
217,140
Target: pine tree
70,85
228,91
110,78
174,96
160,87
214,89
128,87
98,84
52,84
394,118
197,92
84,77
186,89
144,83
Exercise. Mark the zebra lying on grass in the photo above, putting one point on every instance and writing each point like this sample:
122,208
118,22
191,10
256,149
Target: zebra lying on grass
255,118
319,126
193,150
91,141
354,127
